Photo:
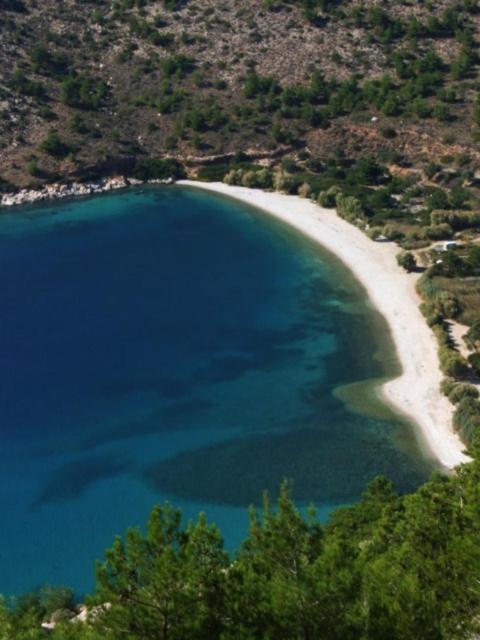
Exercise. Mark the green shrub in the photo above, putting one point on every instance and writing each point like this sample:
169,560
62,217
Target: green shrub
474,362
456,219
442,335
251,177
466,419
374,233
461,391
472,337
430,313
412,242
447,385
84,92
327,199
54,145
407,261
439,231
452,363
349,207
33,168
257,179
448,305
392,233
158,169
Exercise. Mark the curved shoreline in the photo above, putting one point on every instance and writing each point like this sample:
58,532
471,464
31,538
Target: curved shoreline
415,393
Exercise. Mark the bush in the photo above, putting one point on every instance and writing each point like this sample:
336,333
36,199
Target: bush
452,363
472,337
327,198
474,361
233,177
249,179
284,183
439,232
392,233
466,419
430,313
374,233
442,335
456,219
461,391
349,207
447,385
84,92
33,168
304,190
54,145
447,304
407,261
158,169
253,177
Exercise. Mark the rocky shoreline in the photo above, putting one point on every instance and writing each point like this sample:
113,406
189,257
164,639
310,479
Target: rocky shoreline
58,191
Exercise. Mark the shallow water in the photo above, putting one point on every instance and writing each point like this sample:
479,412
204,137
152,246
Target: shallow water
173,344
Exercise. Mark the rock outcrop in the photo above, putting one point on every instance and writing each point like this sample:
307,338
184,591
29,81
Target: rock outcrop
58,191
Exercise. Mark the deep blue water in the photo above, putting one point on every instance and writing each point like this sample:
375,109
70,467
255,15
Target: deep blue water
171,344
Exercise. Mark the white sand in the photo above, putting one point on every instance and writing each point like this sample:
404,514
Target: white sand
416,392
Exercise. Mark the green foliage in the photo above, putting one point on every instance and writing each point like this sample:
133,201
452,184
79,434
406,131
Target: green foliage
456,219
407,261
389,566
257,85
473,335
205,119
84,92
474,362
54,145
349,207
447,385
437,199
441,231
466,419
158,169
461,391
253,177
452,363
168,579
327,198
447,304
47,62
21,83
178,65
367,171
33,168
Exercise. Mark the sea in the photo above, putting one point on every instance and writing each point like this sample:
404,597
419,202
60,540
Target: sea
166,344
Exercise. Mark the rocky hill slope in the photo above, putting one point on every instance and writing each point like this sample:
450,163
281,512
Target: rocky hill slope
86,86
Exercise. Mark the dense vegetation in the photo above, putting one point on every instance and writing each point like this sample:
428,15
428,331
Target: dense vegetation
397,567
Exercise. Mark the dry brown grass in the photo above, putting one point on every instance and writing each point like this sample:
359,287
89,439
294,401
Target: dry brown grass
467,291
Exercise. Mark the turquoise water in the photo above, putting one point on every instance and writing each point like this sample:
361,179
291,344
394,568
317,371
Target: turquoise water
172,344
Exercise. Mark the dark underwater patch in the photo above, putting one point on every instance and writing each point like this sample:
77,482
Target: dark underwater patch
178,415
329,465
71,480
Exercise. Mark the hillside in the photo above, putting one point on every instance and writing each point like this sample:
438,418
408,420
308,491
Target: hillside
88,85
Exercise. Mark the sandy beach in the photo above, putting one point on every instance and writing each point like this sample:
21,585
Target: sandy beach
415,393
